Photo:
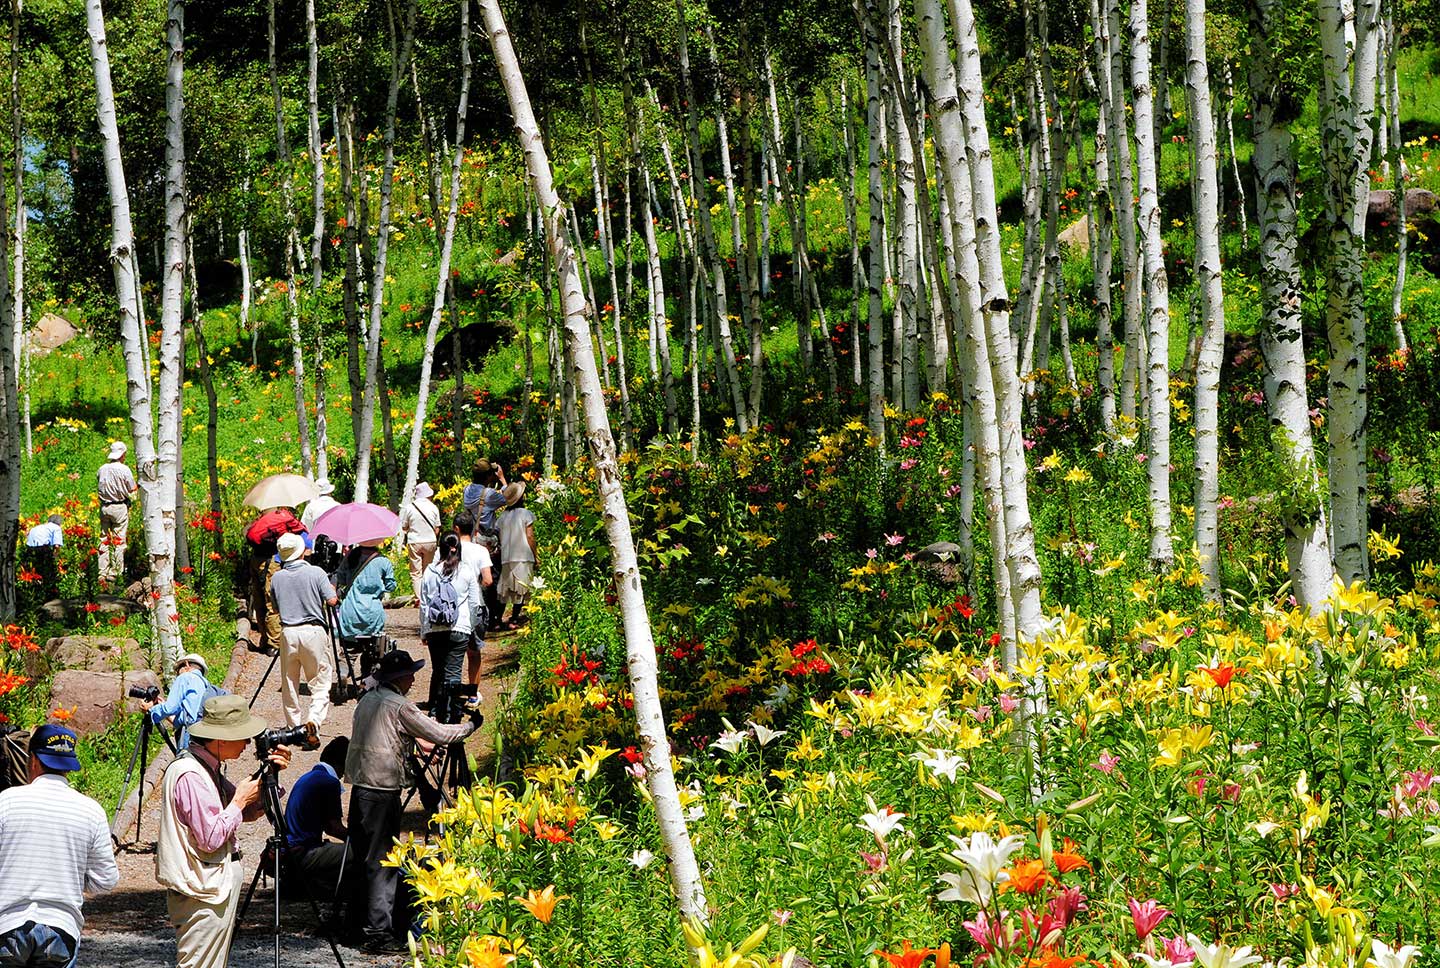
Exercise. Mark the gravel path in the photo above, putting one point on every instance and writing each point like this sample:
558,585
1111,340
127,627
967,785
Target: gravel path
128,928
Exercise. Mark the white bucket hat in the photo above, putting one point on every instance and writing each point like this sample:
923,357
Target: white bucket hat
324,486
290,547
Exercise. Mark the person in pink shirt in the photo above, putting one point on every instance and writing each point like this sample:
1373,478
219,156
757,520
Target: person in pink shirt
195,857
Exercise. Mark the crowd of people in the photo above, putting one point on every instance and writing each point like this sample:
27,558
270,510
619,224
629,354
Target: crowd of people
468,579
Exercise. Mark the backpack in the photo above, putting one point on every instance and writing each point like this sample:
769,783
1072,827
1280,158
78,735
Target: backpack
268,527
443,607
211,691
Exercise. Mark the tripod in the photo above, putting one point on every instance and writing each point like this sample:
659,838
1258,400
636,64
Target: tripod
276,844
141,755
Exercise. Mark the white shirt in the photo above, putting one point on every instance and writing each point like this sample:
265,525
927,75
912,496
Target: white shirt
114,483
467,596
45,534
315,508
418,520
54,846
476,555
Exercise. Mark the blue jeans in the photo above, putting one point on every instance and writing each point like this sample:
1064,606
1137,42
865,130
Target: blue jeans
37,946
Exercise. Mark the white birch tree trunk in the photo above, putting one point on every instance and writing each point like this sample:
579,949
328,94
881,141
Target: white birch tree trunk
447,246
1157,292
1122,190
1102,217
1282,342
1349,46
640,645
858,281
1402,215
722,133
317,154
10,337
874,122
399,66
1205,174
153,497
17,279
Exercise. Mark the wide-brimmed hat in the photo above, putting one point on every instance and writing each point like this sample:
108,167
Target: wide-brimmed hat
324,486
117,449
396,665
513,492
54,747
228,717
289,547
195,659
423,490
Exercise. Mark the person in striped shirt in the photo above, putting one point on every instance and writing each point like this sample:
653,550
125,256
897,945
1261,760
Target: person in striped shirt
54,846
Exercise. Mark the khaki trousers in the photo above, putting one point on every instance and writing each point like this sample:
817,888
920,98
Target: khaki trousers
205,930
420,557
114,532
305,653
263,615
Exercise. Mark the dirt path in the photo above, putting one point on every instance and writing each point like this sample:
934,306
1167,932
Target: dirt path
127,928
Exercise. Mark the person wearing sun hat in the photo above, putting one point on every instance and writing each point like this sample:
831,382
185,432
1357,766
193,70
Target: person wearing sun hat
324,502
185,703
200,815
116,487
419,531
54,846
303,597
385,726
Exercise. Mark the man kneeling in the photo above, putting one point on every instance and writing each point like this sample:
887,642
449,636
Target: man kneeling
312,811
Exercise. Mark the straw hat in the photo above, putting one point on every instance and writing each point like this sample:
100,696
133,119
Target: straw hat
513,492
290,547
228,717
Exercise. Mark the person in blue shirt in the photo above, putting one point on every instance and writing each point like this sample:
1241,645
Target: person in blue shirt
40,544
365,577
312,811
185,703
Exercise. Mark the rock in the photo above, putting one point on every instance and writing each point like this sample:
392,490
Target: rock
49,333
138,592
1076,235
941,561
939,551
97,699
72,610
1418,201
94,653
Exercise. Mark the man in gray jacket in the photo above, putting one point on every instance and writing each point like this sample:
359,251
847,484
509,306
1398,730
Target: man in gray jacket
386,723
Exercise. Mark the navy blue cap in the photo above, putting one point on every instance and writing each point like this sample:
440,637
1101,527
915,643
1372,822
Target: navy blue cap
54,747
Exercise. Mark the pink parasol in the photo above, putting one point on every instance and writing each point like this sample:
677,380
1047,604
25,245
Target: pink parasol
353,524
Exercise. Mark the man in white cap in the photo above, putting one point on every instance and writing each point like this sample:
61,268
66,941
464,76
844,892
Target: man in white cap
185,703
321,504
116,487
303,596
201,812
419,530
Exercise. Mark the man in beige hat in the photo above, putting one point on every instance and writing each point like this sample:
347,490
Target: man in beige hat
419,530
321,504
303,597
116,488
185,703
195,857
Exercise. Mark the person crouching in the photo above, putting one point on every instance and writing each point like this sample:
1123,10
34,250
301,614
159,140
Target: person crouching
200,814
303,597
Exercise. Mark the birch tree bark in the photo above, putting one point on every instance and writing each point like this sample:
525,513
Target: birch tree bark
857,268
1397,148
352,293
153,498
1349,48
447,245
17,279
907,393
751,275
292,246
874,122
1205,179
1157,292
317,162
1122,190
640,645
1273,105
399,65
1102,217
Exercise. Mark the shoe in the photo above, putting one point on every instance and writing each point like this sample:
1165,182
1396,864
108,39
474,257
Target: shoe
386,944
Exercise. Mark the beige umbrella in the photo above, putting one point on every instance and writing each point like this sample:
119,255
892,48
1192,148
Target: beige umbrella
281,491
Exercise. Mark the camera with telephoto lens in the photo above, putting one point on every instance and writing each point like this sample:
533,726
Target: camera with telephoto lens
326,554
304,736
144,693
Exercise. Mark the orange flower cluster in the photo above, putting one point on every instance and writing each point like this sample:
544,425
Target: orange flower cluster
909,957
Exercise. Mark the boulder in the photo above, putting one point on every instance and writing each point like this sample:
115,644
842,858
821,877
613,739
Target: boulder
50,332
72,610
1418,201
941,561
97,699
1076,235
93,653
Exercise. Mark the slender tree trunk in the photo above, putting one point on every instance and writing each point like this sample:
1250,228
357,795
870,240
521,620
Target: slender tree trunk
1206,217
857,267
753,317
10,470
17,280
1052,159
247,286
155,501
317,169
1227,117
1122,190
1402,214
352,298
400,61
1157,291
1349,46
874,118
207,382
1102,219
447,244
292,247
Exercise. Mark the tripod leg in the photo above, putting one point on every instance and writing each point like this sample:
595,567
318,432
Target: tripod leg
140,783
265,678
250,892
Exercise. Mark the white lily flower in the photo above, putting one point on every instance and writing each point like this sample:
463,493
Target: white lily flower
881,822
641,859
983,859
1221,955
965,887
1384,956
764,735
943,763
730,740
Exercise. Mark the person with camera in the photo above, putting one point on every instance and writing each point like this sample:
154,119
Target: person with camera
483,496
477,558
313,810
449,604
262,540
303,597
365,577
385,727
200,814
54,846
185,703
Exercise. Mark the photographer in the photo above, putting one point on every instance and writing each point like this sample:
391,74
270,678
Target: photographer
303,597
313,810
386,723
200,814
449,603
365,577
185,703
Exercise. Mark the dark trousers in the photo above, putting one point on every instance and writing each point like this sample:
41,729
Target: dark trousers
379,907
447,665
321,867
37,946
